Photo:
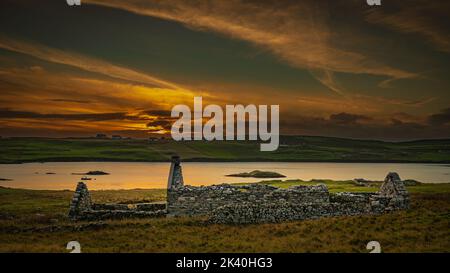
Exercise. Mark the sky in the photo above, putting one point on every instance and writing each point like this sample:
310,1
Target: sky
337,68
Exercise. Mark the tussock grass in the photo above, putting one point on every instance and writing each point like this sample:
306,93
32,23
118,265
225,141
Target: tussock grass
35,221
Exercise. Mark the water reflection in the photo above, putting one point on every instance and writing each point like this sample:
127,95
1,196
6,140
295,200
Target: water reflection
129,175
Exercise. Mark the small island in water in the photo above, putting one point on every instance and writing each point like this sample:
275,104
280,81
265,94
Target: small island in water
92,173
258,174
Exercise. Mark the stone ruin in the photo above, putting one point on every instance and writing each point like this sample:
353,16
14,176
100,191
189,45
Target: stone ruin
82,208
253,203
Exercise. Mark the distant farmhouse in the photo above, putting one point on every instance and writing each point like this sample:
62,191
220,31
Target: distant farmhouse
156,139
101,136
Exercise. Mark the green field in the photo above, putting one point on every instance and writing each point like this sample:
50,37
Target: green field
35,221
292,148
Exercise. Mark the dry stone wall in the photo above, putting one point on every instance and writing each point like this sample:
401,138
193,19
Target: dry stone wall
259,203
82,208
188,200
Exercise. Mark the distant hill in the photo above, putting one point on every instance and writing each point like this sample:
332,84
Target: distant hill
292,149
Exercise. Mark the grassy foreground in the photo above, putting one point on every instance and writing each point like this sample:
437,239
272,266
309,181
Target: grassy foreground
292,148
35,221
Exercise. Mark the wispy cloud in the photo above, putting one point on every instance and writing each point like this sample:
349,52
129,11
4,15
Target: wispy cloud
295,31
82,62
327,78
11,114
422,17
364,104
58,90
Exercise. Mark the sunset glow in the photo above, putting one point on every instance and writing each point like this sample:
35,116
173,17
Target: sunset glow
118,67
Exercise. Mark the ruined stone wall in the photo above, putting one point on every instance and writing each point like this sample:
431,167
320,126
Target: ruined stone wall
262,203
188,200
81,200
258,203
82,208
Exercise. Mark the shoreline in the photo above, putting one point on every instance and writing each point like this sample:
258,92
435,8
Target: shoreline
274,182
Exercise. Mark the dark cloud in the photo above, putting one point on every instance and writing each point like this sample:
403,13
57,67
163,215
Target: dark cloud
160,122
163,120
160,113
441,118
405,124
395,130
397,122
69,100
346,118
10,114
